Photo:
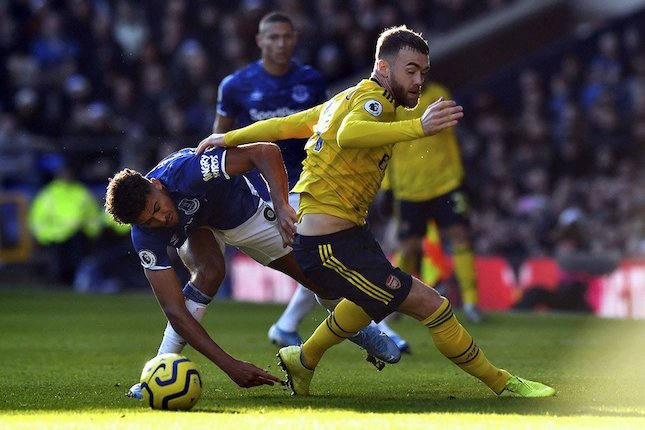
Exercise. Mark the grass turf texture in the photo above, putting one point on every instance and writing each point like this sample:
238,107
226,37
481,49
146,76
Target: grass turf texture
67,361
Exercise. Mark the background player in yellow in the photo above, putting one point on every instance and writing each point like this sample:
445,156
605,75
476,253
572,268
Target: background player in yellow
350,144
426,178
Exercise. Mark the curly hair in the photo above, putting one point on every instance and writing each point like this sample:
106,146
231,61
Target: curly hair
126,196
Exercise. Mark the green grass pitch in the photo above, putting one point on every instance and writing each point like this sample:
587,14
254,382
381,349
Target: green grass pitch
66,361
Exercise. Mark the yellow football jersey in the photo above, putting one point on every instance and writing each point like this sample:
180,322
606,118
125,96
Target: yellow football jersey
428,167
350,145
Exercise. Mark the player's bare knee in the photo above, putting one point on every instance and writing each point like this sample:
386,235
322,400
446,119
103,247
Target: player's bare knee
422,301
207,281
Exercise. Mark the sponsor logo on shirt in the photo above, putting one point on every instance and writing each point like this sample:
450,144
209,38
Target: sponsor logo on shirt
259,115
148,258
373,107
209,165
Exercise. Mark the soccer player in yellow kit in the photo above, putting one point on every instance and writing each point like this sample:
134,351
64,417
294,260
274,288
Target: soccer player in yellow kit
426,179
350,145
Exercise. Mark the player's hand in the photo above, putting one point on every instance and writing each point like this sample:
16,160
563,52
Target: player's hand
215,140
440,115
286,221
248,375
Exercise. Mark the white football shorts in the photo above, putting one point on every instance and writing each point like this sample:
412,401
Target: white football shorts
258,237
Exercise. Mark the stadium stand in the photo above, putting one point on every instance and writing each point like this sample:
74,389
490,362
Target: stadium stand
555,120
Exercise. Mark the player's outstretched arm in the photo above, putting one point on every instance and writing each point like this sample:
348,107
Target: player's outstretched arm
167,289
440,115
297,126
266,157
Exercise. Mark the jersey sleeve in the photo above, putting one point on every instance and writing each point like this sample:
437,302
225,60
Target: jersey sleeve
151,247
367,124
226,104
297,126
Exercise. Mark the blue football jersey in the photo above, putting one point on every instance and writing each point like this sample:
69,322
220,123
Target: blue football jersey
205,195
251,94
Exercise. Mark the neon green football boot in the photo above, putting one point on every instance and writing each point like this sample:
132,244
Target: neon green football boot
298,376
524,388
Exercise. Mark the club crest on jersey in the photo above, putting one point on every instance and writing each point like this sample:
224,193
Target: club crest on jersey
373,107
300,93
188,206
269,214
148,258
392,282
255,96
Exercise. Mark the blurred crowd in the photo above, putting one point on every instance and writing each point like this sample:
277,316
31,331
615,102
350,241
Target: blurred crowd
563,153
139,79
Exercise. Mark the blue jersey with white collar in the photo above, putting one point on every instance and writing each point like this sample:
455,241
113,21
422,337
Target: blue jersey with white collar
205,195
251,94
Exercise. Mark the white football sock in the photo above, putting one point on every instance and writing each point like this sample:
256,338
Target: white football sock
301,303
196,303
172,341
386,328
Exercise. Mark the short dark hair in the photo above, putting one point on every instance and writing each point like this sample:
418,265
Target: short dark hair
274,16
126,196
392,39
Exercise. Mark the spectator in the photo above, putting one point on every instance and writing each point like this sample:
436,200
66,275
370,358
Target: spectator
64,218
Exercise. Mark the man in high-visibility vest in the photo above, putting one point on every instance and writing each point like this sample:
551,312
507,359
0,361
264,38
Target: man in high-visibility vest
63,218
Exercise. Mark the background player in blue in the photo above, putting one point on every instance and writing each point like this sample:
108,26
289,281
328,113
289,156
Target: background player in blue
277,86
196,204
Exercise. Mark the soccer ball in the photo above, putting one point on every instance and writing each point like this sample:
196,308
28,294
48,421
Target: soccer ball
171,381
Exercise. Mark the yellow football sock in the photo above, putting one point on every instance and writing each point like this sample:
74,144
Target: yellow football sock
453,341
345,321
465,273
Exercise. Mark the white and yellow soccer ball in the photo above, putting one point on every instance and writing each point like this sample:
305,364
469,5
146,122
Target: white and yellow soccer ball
171,381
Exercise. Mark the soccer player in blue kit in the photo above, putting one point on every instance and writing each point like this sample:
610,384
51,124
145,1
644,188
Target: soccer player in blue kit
196,204
277,86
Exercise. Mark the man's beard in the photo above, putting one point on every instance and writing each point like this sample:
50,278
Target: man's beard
399,94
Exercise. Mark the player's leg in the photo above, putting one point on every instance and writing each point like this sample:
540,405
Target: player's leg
357,275
412,220
284,331
464,262
380,345
454,342
260,239
452,212
347,263
202,254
